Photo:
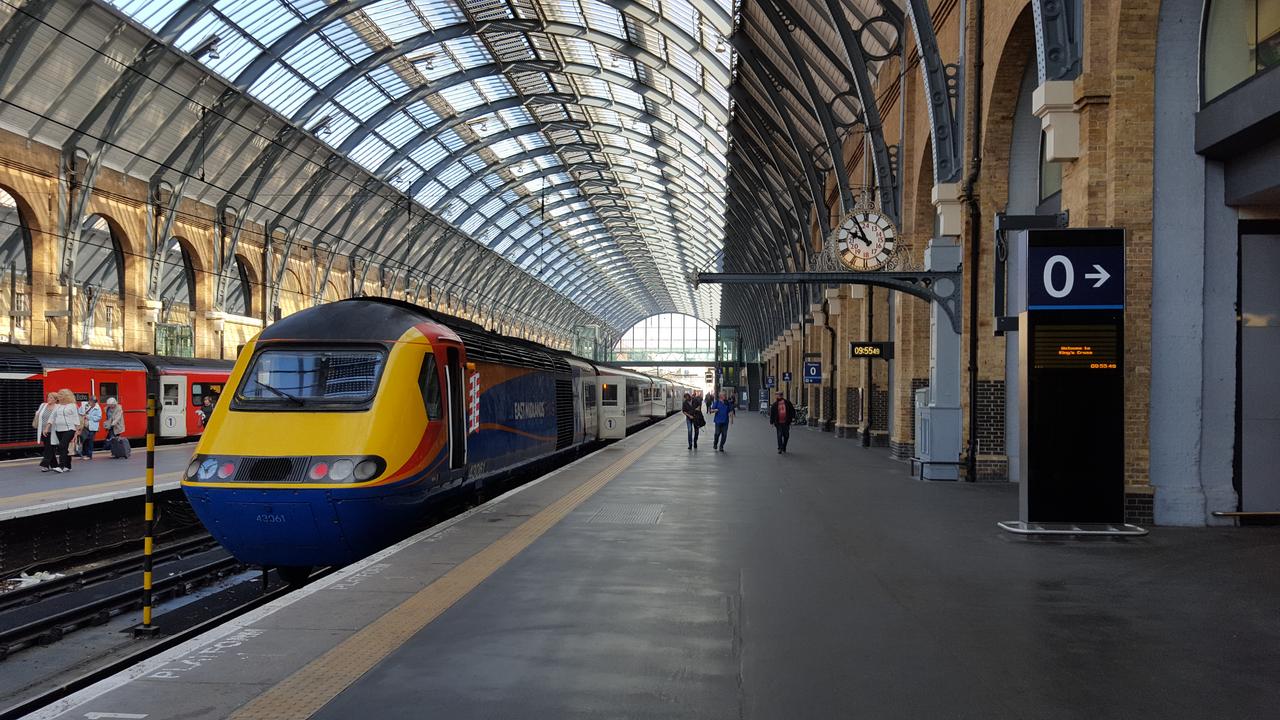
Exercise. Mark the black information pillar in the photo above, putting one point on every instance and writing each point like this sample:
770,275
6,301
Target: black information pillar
1072,377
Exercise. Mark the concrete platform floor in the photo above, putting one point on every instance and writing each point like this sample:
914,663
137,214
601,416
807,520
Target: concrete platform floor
24,490
824,583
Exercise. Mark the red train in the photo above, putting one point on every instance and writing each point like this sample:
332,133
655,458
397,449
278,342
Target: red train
29,373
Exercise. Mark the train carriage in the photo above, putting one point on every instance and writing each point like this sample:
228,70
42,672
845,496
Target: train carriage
28,373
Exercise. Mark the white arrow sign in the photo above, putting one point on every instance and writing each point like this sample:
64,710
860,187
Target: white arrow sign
1101,276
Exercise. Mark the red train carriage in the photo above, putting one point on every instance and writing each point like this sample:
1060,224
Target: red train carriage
29,373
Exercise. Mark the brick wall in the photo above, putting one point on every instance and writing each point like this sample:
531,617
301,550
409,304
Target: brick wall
853,406
991,408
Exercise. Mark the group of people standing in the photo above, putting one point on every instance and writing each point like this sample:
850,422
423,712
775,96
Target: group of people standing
724,411
60,421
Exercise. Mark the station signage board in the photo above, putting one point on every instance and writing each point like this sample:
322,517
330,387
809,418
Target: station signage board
771,381
874,350
786,376
1071,352
812,371
1075,269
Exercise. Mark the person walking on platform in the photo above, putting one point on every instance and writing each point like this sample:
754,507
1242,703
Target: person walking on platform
91,420
710,399
724,417
61,427
693,419
47,445
114,420
781,415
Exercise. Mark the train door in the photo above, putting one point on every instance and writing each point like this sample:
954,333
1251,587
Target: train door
590,403
456,387
613,410
173,406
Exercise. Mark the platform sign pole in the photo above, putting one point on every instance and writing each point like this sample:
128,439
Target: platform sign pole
148,542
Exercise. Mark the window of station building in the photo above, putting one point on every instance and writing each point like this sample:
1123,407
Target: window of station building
1241,39
15,260
669,337
177,283
239,299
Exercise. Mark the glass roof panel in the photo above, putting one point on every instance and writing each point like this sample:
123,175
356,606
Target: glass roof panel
660,183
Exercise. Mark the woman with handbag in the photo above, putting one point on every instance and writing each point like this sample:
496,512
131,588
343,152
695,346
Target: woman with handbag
63,422
47,446
693,419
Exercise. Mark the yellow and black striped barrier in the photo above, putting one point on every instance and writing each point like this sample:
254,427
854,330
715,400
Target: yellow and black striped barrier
148,541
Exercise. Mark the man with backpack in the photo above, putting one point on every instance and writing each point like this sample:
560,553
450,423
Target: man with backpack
781,414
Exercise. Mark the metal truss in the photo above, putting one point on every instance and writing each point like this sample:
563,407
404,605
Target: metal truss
1059,45
941,91
941,287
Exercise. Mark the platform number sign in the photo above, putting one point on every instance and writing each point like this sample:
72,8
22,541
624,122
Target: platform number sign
786,376
812,372
1082,270
474,393
771,381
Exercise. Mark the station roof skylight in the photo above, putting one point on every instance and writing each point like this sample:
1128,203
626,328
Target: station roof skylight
585,141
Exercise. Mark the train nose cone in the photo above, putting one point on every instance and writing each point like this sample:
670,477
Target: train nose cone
273,532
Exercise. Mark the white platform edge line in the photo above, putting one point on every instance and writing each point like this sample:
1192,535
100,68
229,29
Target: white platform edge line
83,501
146,667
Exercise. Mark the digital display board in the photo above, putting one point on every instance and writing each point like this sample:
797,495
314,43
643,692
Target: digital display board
1076,347
881,350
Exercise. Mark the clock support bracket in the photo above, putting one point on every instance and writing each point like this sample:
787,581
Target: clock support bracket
941,287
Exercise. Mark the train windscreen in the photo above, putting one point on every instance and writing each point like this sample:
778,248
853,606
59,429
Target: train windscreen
295,377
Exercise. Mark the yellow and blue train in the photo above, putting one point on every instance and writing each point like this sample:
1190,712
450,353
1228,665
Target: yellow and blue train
345,421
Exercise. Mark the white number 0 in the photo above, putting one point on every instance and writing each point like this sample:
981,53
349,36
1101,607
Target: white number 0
1048,276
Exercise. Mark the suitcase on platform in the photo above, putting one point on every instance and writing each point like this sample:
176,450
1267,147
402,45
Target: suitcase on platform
120,448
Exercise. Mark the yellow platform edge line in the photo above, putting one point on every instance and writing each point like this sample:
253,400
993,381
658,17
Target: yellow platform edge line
309,689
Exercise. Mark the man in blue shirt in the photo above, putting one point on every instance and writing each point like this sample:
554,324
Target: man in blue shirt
724,417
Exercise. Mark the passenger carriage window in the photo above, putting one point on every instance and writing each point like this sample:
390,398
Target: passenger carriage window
429,384
608,394
108,390
170,395
589,394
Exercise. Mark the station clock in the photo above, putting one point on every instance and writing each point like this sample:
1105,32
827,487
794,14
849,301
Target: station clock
865,240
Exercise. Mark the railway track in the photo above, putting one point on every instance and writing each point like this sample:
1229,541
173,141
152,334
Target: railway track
148,649
42,614
101,572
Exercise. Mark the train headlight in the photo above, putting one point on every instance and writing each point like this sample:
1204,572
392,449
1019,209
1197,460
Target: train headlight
193,468
208,468
367,470
344,469
341,470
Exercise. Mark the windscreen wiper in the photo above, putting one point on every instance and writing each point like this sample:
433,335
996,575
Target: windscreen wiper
281,393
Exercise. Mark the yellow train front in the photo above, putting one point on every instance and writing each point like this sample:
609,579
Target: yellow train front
345,419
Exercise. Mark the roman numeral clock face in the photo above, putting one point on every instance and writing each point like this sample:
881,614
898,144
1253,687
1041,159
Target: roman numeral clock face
869,249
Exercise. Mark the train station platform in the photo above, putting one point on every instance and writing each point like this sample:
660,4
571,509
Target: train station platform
25,491
649,581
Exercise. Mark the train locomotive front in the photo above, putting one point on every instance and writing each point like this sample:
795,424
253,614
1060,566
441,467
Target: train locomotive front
334,436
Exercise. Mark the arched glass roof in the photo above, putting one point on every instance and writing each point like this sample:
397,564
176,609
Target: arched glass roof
583,140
